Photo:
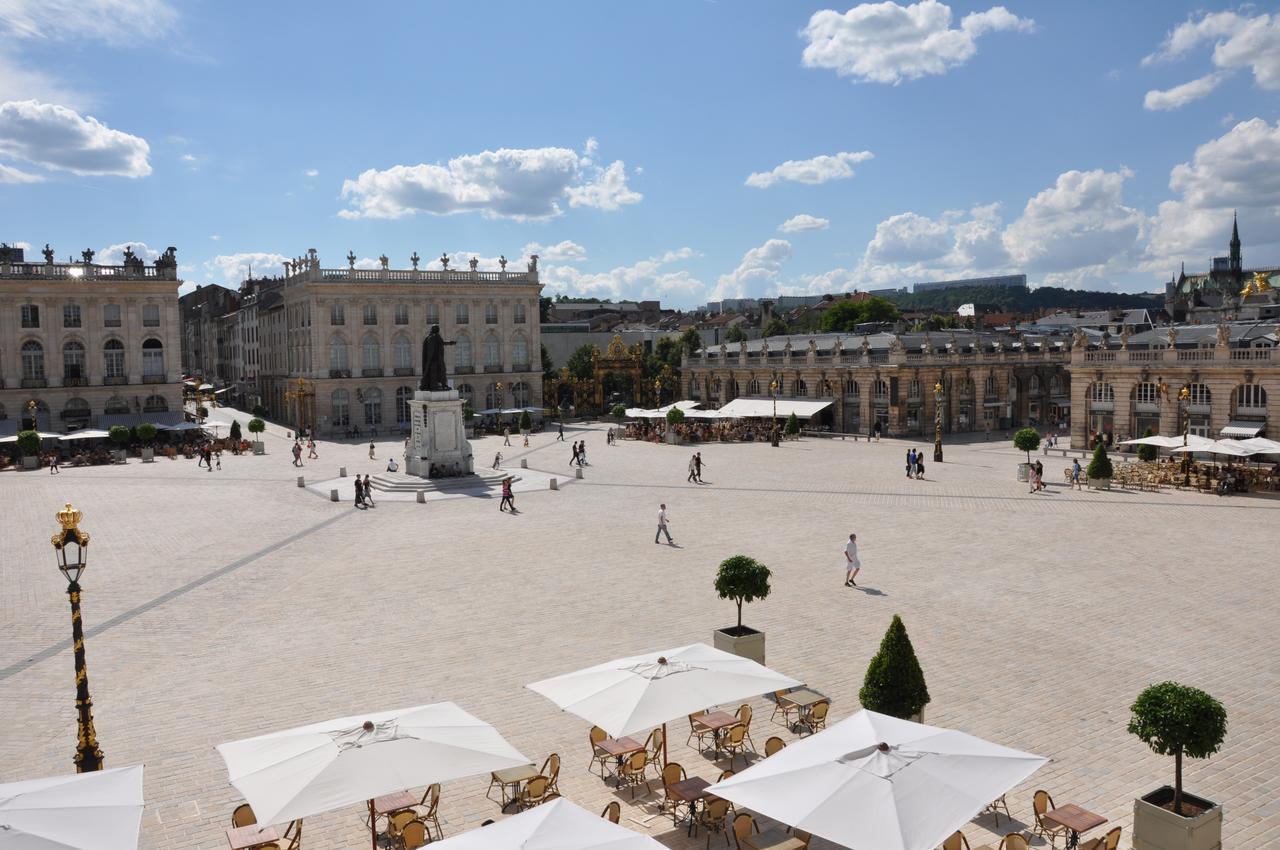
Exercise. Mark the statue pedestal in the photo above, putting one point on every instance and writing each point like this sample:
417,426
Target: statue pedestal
439,439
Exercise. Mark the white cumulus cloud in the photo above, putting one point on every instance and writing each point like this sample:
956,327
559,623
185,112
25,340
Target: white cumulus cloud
1239,41
757,274
814,171
888,43
643,279
13,175
234,268
803,222
113,255
565,251
58,137
1179,96
607,190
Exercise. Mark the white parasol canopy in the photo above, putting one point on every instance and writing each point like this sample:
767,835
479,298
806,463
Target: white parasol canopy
324,766
1261,445
1231,448
181,426
558,825
101,810
86,434
1168,442
44,435
637,693
874,782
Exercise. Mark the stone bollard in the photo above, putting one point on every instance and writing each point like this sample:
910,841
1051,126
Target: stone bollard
301,483
333,495
577,473
524,463
342,472
422,497
555,485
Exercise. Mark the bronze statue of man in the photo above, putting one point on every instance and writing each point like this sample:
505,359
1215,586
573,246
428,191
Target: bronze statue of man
433,371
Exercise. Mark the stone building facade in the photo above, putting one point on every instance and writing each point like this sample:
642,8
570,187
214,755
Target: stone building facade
91,345
354,338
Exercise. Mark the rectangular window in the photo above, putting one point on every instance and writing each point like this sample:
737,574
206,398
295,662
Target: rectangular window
111,315
337,316
71,315
151,315
491,314
518,314
433,314
462,316
370,314
402,314
30,315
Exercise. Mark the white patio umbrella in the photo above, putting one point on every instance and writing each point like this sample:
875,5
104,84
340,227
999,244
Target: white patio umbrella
1222,447
558,825
643,691
44,435
1168,442
1261,445
874,782
312,769
86,434
101,810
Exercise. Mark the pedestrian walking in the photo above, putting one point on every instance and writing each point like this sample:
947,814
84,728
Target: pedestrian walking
1039,475
497,460
560,437
218,458
693,468
851,562
297,454
697,462
359,492
506,436
574,459
1075,474
53,463
911,463
508,500
311,450
662,525
920,466
582,453
526,441
368,491
371,450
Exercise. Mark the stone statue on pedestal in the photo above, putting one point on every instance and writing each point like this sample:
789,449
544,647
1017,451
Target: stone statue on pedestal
433,371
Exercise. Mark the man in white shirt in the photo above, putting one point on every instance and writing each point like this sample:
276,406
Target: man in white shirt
851,562
662,525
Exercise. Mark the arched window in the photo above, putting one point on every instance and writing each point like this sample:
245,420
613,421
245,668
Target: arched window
373,406
401,354
403,397
881,389
491,314
340,408
1200,395
1146,392
75,413
462,354
338,359
520,395
1251,396
1055,386
914,389
155,404
153,360
467,394
1013,387
73,360
851,387
753,386
370,354
800,389
32,361
113,359
989,387
1102,393
1033,385
116,406
371,314
492,350
520,352
493,397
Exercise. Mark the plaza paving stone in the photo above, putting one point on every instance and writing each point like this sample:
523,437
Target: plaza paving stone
228,604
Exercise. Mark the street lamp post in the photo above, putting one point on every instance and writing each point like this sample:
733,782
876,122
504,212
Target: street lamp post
72,548
773,432
657,392
1184,404
937,422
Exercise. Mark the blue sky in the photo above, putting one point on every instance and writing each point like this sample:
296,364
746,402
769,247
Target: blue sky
681,150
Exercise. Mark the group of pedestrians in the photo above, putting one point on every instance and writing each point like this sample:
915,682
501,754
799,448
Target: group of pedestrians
695,468
364,493
915,464
1035,476
508,498
579,454
208,457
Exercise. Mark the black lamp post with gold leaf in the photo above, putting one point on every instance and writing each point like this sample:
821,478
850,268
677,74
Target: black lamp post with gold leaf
72,548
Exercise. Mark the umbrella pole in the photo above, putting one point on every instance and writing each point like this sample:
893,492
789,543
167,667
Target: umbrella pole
664,744
373,828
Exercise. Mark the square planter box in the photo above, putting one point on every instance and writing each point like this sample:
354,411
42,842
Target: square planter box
148,455
1024,472
30,462
1157,828
259,449
1099,483
745,642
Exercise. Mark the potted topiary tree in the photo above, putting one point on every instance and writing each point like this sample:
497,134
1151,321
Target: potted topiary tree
1146,452
792,428
619,412
526,422
1026,440
256,427
236,435
29,444
1100,471
741,579
119,435
147,434
1177,720
894,683
259,412
674,417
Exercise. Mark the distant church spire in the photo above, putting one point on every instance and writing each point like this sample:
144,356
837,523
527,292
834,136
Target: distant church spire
1235,244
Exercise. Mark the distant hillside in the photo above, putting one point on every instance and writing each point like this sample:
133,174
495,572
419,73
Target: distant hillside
1021,300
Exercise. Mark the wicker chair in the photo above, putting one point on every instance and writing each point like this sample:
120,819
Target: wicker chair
1041,802
699,731
1110,841
397,821
781,706
1014,841
653,746
714,818
635,770
413,835
243,816
431,803
814,717
772,745
598,756
533,793
551,770
735,743
956,841
743,826
672,773
612,812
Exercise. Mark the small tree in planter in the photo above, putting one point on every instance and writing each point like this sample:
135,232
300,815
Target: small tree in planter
619,412
792,427
146,433
236,433
1027,440
1147,452
1100,467
526,421
256,427
29,445
259,412
1177,720
742,579
894,683
675,416
119,435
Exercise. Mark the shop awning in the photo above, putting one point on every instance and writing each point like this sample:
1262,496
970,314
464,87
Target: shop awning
742,408
1243,430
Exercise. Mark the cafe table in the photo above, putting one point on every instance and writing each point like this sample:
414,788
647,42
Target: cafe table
717,722
801,699
513,777
243,837
773,839
689,792
620,748
1075,819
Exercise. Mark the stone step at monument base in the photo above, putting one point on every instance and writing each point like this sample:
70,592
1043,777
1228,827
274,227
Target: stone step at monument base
394,482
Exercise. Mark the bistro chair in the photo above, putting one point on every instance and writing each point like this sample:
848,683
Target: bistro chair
654,746
803,837
292,834
735,743
612,812
533,793
397,821
955,841
815,716
1041,803
744,717
551,770
1014,841
714,817
671,774
994,808
431,802
598,756
698,730
243,816
781,706
1110,841
413,835
635,770
743,826
772,745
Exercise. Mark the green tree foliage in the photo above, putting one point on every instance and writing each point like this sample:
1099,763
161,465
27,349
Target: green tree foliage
1027,440
548,366
775,327
735,334
257,426
619,412
691,341
544,309
119,435
793,426
259,411
235,430
580,365
1177,720
1147,452
1011,300
675,416
526,421
1100,466
894,683
146,432
742,579
29,442
847,315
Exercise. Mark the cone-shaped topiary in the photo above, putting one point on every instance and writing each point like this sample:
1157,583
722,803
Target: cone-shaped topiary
1147,452
793,426
894,684
1176,720
1100,466
526,421
235,430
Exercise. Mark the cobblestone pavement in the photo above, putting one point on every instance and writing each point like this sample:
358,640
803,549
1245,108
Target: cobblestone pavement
231,603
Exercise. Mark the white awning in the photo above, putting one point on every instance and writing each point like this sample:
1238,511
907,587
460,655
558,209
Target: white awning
1243,430
741,408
